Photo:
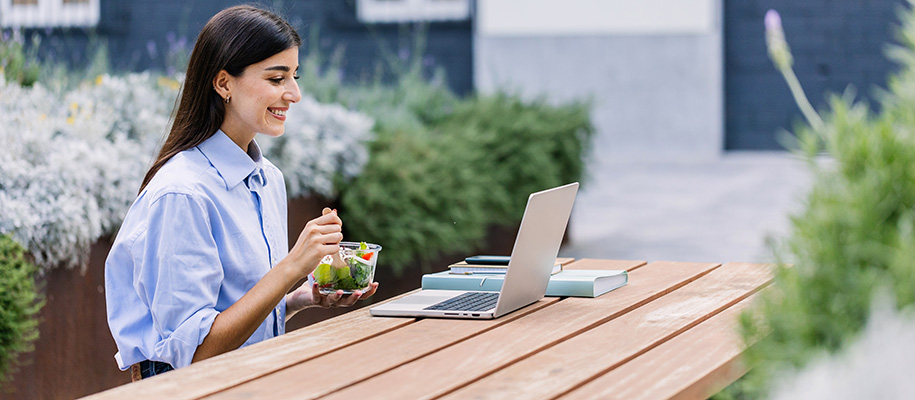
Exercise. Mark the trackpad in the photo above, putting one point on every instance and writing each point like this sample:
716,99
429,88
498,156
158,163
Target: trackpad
429,297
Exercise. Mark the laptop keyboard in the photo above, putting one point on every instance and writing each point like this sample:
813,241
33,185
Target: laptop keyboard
470,301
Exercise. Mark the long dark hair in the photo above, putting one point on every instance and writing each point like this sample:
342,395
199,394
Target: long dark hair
232,40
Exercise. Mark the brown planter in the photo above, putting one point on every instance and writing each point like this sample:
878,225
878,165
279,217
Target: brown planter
74,355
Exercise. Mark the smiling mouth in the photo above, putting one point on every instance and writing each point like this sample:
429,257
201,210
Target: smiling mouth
281,114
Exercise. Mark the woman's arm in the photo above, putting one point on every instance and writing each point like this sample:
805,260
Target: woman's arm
232,327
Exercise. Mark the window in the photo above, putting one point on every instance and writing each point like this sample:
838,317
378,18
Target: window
412,10
48,13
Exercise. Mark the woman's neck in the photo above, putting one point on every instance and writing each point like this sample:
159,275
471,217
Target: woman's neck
243,140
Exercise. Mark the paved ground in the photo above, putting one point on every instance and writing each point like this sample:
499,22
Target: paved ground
716,211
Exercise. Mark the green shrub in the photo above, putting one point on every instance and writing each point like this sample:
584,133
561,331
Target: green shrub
525,146
16,64
19,304
854,238
436,188
418,196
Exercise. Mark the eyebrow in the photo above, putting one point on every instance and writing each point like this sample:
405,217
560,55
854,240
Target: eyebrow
278,68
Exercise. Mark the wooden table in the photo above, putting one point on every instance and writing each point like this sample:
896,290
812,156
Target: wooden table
669,333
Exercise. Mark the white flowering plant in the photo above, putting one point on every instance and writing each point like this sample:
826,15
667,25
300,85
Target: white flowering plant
322,144
71,161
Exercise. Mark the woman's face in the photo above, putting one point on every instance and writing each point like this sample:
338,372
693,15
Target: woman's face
260,97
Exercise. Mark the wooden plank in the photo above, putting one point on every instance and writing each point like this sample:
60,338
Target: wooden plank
693,365
385,352
242,365
448,369
563,367
593,263
375,355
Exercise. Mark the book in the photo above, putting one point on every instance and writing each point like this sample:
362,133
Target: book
568,282
469,269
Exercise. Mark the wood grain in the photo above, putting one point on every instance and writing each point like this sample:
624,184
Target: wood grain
251,362
593,263
693,365
368,358
490,351
560,368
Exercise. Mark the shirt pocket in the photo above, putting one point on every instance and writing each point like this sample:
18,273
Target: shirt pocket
244,256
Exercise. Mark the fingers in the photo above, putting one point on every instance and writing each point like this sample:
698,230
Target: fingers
372,288
327,229
339,299
324,230
326,219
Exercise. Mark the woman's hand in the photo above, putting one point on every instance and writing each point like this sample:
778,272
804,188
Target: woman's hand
320,237
308,295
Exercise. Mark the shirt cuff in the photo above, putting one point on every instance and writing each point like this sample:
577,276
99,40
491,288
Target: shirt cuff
179,347
281,317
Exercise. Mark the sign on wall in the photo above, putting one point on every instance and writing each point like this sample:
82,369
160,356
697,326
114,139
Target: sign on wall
48,13
374,11
596,17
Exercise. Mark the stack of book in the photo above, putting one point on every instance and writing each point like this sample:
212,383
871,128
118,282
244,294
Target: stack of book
563,282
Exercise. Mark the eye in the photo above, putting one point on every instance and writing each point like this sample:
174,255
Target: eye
277,81
296,76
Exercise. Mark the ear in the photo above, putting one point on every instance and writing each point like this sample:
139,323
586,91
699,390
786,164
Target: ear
222,83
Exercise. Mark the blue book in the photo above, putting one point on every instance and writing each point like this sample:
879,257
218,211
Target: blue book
568,282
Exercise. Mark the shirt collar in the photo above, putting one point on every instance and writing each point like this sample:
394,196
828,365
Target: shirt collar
231,162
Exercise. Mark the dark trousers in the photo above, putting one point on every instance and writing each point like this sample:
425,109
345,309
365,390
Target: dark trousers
145,369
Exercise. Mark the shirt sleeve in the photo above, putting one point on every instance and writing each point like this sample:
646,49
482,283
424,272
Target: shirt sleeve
180,275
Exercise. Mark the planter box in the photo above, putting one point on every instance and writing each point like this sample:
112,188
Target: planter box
74,354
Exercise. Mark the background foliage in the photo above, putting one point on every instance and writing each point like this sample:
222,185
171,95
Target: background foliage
15,63
854,239
443,169
525,146
19,304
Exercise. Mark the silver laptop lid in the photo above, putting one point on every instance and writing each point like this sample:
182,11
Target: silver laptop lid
536,247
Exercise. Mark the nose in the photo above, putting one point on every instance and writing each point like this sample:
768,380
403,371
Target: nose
292,95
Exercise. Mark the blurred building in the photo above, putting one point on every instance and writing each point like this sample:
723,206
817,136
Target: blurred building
671,79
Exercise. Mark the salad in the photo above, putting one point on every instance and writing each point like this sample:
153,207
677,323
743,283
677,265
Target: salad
355,272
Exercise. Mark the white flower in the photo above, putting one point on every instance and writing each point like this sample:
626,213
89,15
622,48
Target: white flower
322,142
71,163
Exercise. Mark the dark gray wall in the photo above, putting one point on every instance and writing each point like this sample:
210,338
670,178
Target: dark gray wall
835,43
139,34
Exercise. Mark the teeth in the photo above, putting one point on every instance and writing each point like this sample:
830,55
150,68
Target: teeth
279,112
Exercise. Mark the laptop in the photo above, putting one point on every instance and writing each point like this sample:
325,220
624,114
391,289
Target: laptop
529,268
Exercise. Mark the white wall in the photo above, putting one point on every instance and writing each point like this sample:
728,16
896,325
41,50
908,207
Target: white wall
653,67
594,17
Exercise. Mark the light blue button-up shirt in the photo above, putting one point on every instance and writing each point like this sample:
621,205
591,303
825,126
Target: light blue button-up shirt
206,228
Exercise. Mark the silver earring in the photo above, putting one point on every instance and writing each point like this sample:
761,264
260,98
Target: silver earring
227,99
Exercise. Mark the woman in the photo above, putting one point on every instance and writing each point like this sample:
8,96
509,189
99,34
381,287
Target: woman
200,265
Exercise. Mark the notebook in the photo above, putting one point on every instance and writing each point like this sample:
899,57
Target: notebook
532,259
464,268
568,282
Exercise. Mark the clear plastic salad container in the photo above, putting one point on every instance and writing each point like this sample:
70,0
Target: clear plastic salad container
353,270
